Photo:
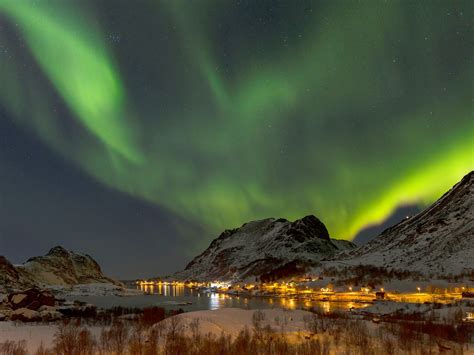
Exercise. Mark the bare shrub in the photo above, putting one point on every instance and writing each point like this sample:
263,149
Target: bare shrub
281,346
194,326
105,344
86,342
71,338
318,323
11,347
329,334
174,327
175,341
136,343
258,317
357,335
388,344
224,343
118,337
43,351
66,337
114,339
152,315
155,333
243,342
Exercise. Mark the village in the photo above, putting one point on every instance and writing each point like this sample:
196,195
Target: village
317,290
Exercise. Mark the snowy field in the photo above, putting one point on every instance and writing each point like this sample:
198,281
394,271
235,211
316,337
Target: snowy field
231,321
227,320
33,334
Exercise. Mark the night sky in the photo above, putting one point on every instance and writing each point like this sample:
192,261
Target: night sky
137,131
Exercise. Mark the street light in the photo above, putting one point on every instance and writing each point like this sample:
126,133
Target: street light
419,289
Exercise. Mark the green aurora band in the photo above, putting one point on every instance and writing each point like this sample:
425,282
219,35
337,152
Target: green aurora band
337,123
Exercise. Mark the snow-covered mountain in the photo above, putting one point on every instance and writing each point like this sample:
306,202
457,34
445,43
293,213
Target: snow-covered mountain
439,240
262,246
9,276
59,267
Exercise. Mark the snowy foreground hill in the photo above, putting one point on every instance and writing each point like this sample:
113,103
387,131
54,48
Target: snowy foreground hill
439,240
263,246
59,267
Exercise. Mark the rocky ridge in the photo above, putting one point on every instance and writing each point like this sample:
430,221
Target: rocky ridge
258,247
59,267
439,240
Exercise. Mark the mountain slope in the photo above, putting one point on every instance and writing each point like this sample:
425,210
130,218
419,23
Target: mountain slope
259,247
439,240
9,276
58,267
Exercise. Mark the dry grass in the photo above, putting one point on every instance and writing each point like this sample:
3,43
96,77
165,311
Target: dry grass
324,334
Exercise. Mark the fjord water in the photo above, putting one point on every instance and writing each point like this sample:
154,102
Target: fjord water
188,299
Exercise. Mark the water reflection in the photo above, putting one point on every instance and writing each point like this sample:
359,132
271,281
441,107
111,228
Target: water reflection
190,299
214,303
167,290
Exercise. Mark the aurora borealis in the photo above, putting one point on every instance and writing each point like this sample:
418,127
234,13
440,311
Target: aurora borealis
221,112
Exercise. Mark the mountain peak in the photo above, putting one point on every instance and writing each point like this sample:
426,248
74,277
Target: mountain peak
468,178
259,247
58,251
311,225
439,239
58,267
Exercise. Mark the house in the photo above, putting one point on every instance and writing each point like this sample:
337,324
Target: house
469,317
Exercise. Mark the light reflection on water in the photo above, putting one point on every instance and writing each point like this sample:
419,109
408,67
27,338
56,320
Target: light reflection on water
166,290
179,296
176,296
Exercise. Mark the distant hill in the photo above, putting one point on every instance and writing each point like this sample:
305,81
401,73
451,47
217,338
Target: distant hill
58,267
262,247
438,240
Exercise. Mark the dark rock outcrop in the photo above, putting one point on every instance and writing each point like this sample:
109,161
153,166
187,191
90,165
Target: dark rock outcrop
25,315
32,298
